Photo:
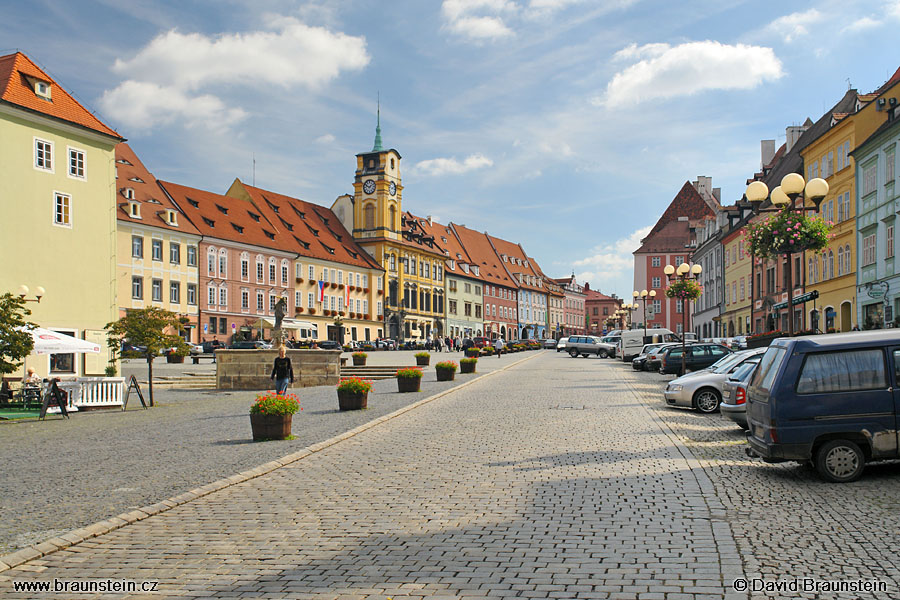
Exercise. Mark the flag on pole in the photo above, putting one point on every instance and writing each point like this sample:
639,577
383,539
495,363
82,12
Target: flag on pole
321,291
346,295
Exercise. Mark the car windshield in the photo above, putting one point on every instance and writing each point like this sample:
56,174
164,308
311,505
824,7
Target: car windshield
724,364
744,371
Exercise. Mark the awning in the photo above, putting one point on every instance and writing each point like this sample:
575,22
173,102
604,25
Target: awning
51,342
289,324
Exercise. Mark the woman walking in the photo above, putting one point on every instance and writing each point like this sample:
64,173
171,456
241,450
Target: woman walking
282,371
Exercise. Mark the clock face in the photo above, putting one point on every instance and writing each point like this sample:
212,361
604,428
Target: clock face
393,188
369,186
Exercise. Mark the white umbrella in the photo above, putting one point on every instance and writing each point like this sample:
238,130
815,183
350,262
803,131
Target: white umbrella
51,342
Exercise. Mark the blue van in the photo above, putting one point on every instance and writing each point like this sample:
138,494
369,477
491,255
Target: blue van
829,399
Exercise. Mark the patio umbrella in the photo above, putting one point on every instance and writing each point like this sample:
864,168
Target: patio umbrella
51,342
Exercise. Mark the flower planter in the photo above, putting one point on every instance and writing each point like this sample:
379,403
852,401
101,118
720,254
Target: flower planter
423,361
352,400
359,362
270,427
446,375
466,367
472,352
174,358
409,384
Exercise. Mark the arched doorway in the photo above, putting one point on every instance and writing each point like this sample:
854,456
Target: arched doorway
830,314
394,327
846,319
503,332
730,329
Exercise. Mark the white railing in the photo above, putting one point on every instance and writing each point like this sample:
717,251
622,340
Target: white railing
99,391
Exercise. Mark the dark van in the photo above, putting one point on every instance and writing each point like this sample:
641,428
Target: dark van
830,399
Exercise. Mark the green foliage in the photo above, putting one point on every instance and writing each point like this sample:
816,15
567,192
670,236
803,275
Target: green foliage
355,385
684,289
447,365
467,361
272,403
360,355
110,370
422,355
409,373
15,337
787,232
154,328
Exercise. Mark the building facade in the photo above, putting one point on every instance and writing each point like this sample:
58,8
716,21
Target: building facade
575,317
59,228
707,309
532,297
600,308
464,287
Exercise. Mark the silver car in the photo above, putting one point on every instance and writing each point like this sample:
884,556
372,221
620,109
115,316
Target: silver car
734,393
702,390
561,344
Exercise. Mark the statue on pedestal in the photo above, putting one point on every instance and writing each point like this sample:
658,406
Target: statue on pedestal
277,334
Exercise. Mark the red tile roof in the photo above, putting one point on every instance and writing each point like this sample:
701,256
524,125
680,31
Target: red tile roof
308,229
517,262
446,239
673,237
479,248
17,76
131,173
687,203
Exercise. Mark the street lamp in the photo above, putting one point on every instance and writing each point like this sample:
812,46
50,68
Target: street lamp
643,295
683,273
783,197
38,293
628,309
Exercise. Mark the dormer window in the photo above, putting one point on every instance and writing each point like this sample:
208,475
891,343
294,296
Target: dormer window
475,269
42,89
128,193
171,217
134,210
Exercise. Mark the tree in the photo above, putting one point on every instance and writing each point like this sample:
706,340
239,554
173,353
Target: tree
15,336
147,327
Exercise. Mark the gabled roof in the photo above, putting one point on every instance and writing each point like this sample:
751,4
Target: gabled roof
446,239
687,203
673,237
153,201
18,75
417,232
516,263
479,249
308,229
595,296
226,218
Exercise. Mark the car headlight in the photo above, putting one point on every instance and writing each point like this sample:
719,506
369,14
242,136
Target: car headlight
674,388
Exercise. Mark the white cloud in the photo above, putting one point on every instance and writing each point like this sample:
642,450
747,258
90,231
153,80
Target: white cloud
688,69
478,20
291,54
635,52
610,266
451,166
325,139
142,105
795,25
861,25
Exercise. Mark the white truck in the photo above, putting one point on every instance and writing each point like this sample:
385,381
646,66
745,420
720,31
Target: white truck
633,341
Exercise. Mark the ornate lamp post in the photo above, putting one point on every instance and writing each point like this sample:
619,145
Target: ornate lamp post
38,293
643,295
627,309
783,198
683,273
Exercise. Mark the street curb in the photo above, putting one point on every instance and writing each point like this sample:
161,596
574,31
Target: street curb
76,536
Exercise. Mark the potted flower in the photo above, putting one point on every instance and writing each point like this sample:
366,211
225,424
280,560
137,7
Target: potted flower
684,289
472,352
271,414
177,354
353,393
409,379
787,232
359,359
422,359
467,365
446,371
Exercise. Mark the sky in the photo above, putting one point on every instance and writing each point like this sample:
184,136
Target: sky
565,125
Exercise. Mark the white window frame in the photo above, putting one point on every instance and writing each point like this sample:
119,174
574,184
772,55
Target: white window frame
210,295
34,162
135,279
191,294
70,150
223,297
154,244
57,196
153,297
135,238
223,263
889,241
175,292
868,254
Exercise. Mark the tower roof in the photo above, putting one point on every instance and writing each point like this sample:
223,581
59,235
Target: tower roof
378,147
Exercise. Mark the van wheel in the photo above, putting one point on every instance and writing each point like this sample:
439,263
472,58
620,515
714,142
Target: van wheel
707,400
840,461
603,354
573,353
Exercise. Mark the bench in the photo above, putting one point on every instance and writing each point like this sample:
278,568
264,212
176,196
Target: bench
196,358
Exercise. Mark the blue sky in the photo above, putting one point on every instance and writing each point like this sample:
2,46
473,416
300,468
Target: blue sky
566,125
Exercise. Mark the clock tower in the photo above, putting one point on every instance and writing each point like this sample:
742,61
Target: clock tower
377,191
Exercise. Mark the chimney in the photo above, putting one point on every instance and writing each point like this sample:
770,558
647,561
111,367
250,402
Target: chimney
703,185
793,134
587,286
767,152
717,194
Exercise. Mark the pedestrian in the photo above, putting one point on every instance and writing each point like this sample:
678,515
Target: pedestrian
498,346
282,371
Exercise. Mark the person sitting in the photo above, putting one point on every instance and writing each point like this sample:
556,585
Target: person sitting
31,379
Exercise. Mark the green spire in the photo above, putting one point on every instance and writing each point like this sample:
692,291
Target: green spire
378,147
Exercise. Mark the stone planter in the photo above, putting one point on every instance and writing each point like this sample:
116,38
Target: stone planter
423,361
446,375
270,427
467,367
174,358
472,352
359,362
409,384
352,400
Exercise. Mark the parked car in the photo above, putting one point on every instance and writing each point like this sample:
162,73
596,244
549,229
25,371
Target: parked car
195,349
561,344
639,362
741,342
329,345
211,346
831,399
251,345
481,342
702,390
634,340
697,356
385,343
734,393
549,343
654,359
583,345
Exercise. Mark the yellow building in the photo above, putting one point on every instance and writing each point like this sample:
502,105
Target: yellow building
833,271
413,259
736,315
57,217
158,248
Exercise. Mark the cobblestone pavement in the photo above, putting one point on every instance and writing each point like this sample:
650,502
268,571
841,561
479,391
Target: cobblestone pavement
548,480
789,523
60,475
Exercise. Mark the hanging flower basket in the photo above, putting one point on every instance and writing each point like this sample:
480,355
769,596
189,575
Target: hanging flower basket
787,232
684,289
312,311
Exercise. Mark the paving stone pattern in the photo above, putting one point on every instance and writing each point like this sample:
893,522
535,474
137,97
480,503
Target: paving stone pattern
787,521
549,480
59,475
